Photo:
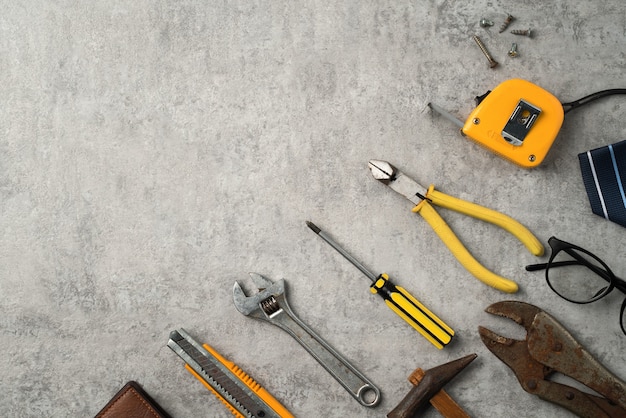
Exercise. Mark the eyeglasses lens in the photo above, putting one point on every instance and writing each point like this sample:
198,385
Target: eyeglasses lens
577,276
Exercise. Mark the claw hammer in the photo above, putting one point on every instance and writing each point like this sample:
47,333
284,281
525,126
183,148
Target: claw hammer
428,387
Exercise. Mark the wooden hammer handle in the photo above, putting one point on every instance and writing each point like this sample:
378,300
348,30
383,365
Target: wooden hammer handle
441,401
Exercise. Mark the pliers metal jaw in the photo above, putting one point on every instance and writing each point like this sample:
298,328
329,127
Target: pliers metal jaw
550,348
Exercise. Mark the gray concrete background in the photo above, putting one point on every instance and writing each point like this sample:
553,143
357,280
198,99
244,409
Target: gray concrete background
153,152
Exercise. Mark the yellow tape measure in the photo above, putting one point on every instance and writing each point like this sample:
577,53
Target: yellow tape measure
518,121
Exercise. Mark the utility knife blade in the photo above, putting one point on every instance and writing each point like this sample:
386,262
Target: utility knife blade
244,397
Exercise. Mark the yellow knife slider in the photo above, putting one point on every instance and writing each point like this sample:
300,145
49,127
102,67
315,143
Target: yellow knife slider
479,212
247,380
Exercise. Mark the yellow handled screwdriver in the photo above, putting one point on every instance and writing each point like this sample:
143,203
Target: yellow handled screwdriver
399,300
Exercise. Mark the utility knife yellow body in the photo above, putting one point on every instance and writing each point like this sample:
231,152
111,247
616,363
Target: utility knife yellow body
244,397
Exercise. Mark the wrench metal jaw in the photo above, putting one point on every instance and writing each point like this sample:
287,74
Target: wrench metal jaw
253,305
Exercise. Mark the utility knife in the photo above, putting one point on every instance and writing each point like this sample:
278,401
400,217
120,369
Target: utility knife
244,397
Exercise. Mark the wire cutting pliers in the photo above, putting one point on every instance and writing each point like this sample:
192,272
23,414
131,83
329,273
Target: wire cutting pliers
423,198
550,348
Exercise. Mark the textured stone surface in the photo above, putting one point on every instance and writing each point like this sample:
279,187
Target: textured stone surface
152,153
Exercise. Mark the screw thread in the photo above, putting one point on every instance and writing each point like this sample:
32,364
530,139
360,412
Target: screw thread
522,32
506,23
492,63
482,47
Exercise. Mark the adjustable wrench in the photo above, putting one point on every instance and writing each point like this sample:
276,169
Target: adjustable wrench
270,305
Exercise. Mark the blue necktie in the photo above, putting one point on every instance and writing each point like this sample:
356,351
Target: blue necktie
604,175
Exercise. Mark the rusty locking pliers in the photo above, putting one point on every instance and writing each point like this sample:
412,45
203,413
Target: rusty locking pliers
549,348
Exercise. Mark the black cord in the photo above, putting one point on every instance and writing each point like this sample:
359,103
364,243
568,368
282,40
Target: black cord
592,97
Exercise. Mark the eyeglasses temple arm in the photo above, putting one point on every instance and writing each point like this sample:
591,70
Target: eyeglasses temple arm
535,267
543,266
619,283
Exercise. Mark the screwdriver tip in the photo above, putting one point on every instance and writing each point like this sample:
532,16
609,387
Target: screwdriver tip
313,227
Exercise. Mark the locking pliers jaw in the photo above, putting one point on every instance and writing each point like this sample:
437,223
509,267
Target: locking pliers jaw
550,348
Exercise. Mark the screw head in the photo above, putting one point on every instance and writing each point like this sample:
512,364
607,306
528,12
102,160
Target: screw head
475,121
532,158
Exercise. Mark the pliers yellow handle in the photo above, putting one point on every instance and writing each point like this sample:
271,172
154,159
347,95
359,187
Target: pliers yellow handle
455,246
424,199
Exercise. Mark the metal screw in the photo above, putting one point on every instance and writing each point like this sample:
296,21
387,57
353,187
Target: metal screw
524,32
532,158
485,23
481,45
475,121
506,23
513,51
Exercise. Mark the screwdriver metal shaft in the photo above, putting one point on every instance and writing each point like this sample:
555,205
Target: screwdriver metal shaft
341,251
398,299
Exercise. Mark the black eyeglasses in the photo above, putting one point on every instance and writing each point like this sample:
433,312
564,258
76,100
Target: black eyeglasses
575,284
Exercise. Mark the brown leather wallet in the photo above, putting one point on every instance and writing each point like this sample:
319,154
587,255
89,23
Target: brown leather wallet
132,402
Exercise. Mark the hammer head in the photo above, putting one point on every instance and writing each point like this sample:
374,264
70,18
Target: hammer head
433,381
